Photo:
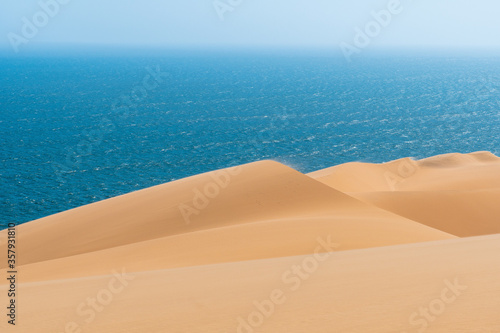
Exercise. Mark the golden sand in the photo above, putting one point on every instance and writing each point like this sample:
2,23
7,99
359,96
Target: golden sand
405,246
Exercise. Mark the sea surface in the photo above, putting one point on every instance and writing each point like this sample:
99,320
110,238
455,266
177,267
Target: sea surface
78,129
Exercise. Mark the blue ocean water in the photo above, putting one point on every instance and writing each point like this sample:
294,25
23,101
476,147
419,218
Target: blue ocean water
75,130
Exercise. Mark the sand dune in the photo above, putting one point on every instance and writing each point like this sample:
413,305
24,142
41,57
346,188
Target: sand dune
269,239
354,248
474,171
455,193
370,290
253,193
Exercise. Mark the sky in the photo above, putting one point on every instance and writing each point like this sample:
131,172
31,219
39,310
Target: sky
446,24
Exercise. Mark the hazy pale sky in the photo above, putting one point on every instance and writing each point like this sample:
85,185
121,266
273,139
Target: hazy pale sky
298,23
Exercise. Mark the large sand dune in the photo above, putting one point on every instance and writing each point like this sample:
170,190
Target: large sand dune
404,246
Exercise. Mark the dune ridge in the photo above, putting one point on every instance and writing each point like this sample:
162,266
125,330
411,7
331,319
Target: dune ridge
454,193
376,242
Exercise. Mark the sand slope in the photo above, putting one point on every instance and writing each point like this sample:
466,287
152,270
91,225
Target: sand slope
371,290
353,248
461,213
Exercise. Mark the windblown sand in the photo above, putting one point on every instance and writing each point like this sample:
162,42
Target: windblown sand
405,246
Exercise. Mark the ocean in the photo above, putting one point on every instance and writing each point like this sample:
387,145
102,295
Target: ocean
79,129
